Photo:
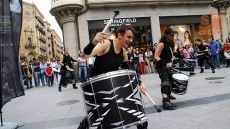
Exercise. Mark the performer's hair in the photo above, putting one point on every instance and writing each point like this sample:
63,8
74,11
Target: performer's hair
163,38
123,28
198,40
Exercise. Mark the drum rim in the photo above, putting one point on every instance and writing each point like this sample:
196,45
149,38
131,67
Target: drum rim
180,74
192,60
107,75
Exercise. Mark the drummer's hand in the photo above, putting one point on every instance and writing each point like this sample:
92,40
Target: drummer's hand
67,66
99,38
169,65
143,88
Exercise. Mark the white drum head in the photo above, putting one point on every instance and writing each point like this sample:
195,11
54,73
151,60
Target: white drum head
70,69
179,76
191,60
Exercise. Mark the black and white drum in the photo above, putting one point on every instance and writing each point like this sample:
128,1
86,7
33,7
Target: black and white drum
188,65
177,64
201,55
113,101
179,84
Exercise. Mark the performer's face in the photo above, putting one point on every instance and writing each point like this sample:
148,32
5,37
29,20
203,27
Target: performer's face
176,36
126,39
170,36
66,51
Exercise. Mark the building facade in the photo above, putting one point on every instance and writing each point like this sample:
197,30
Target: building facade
82,19
228,21
37,39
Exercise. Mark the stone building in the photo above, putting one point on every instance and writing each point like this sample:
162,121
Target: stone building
228,21
80,20
37,39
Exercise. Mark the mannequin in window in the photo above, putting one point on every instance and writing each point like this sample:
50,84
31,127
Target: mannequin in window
187,38
176,37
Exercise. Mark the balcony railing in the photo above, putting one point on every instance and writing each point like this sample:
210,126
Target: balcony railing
42,39
30,45
22,57
40,20
42,57
40,29
43,48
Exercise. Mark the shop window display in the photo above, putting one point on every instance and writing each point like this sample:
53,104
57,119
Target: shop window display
142,38
187,33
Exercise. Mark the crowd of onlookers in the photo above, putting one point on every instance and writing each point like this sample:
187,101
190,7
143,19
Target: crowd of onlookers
41,72
189,51
46,73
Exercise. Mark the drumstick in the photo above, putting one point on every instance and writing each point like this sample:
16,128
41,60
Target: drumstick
116,12
158,109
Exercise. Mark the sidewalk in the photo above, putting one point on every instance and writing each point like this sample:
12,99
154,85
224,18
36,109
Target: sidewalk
205,106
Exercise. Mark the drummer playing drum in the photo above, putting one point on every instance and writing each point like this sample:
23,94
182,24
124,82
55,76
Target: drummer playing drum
110,55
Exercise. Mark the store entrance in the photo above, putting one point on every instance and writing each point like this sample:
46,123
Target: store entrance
142,38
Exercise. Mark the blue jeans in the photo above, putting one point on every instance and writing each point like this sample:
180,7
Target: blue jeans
49,80
196,62
82,69
43,78
55,78
36,78
215,60
29,81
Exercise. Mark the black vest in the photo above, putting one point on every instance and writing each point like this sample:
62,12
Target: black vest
107,62
166,53
66,60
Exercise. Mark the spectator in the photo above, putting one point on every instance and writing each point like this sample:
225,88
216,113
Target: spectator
214,52
36,67
49,73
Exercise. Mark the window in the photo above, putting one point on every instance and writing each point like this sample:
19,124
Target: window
29,41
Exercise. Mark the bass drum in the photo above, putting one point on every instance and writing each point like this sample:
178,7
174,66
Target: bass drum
179,84
113,101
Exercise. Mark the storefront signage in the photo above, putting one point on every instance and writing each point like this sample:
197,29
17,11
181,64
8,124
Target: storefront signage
119,22
100,24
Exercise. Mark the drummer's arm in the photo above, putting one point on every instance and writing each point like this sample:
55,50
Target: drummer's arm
96,49
159,48
60,62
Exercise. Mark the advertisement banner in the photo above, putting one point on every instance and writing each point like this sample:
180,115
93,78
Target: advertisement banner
10,29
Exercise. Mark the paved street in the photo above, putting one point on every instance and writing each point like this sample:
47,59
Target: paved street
205,106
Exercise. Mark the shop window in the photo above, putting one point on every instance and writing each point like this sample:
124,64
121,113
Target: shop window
189,32
142,38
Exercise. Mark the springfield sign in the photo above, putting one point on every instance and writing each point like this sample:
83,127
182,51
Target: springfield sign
119,22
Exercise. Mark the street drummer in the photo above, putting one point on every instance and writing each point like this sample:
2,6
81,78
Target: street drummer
203,55
66,62
163,56
110,55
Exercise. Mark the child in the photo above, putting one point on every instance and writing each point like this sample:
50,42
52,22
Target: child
49,73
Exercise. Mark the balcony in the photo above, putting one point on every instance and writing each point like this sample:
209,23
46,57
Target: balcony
109,3
42,39
30,45
43,48
40,20
50,52
40,29
22,57
49,44
42,57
